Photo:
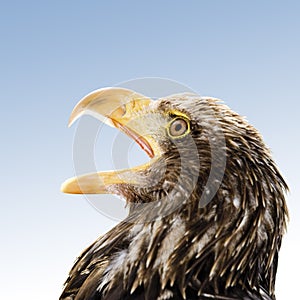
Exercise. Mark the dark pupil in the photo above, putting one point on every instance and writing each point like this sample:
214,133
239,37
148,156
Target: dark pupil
178,127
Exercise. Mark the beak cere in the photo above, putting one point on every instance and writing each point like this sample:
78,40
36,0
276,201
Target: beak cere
117,107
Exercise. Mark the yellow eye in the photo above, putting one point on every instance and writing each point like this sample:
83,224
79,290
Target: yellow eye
179,127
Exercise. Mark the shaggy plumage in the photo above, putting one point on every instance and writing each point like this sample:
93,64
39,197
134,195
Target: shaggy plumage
207,225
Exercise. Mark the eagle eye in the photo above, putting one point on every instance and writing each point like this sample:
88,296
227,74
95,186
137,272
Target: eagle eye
178,127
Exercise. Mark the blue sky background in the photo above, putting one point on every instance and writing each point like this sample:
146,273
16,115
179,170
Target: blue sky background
55,52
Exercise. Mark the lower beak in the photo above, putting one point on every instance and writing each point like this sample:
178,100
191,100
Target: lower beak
103,182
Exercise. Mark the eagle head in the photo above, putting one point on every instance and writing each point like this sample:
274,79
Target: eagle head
206,213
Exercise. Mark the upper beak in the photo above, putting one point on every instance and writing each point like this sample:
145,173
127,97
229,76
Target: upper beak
121,108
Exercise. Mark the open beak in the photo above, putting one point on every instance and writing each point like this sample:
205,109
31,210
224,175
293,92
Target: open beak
127,111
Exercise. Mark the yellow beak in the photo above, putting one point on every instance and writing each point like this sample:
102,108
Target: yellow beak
123,109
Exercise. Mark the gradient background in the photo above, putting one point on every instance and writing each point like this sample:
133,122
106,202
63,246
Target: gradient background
55,52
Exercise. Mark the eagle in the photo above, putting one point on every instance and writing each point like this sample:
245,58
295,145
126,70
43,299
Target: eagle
206,213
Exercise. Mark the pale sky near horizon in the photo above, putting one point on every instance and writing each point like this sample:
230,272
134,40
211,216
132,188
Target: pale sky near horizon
53,53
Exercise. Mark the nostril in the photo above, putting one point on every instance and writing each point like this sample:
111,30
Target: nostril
119,112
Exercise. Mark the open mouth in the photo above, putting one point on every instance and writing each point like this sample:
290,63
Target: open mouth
141,141
117,107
